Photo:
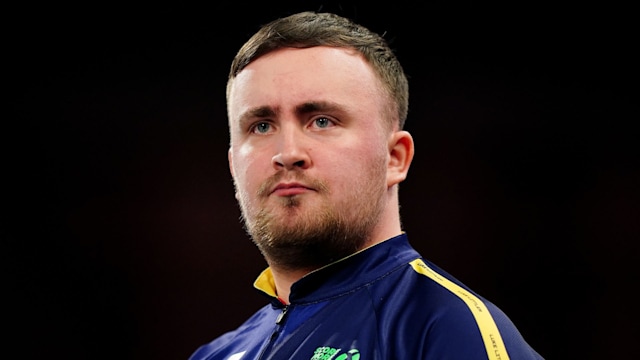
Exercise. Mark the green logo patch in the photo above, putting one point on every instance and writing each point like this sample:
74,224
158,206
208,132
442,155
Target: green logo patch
328,353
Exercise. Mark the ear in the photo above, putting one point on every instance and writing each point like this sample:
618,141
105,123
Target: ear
400,157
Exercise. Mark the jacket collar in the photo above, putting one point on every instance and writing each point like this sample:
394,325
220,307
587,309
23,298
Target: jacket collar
346,274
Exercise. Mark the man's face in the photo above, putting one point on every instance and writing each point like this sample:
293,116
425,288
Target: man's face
309,153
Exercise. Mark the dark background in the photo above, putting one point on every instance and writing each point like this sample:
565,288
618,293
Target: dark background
121,237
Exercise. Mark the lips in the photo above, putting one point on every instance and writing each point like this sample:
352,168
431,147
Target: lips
290,189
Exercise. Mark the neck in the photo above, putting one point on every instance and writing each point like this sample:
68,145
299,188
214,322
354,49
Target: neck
284,278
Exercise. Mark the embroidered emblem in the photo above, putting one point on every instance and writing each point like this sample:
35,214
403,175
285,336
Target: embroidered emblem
328,353
352,354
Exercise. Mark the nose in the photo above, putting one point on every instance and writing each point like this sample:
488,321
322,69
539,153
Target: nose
291,151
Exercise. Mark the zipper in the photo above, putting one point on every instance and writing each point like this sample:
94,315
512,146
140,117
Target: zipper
274,335
282,315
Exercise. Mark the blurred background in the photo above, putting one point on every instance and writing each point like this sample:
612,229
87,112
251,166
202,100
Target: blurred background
121,236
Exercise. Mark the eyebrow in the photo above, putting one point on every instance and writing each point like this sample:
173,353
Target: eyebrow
257,113
300,110
316,106
260,112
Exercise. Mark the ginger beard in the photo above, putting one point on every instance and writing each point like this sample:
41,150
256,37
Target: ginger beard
299,233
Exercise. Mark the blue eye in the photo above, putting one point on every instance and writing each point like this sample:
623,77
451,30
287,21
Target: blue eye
261,128
322,122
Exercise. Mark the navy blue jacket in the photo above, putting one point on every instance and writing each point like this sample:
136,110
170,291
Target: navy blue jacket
385,302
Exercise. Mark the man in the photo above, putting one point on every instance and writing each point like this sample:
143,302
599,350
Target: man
316,107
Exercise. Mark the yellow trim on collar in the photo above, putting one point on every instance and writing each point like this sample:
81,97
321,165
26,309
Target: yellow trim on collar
266,283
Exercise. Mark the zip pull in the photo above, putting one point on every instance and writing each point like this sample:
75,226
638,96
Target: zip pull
282,315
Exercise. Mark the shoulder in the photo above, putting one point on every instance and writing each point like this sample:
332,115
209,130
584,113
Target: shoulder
445,316
236,341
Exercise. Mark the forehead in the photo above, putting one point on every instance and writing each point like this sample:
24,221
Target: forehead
288,77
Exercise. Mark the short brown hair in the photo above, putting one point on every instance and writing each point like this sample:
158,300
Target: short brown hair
309,29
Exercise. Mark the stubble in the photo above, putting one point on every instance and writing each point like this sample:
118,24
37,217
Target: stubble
301,235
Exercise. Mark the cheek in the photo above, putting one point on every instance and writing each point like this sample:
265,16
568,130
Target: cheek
356,165
247,170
